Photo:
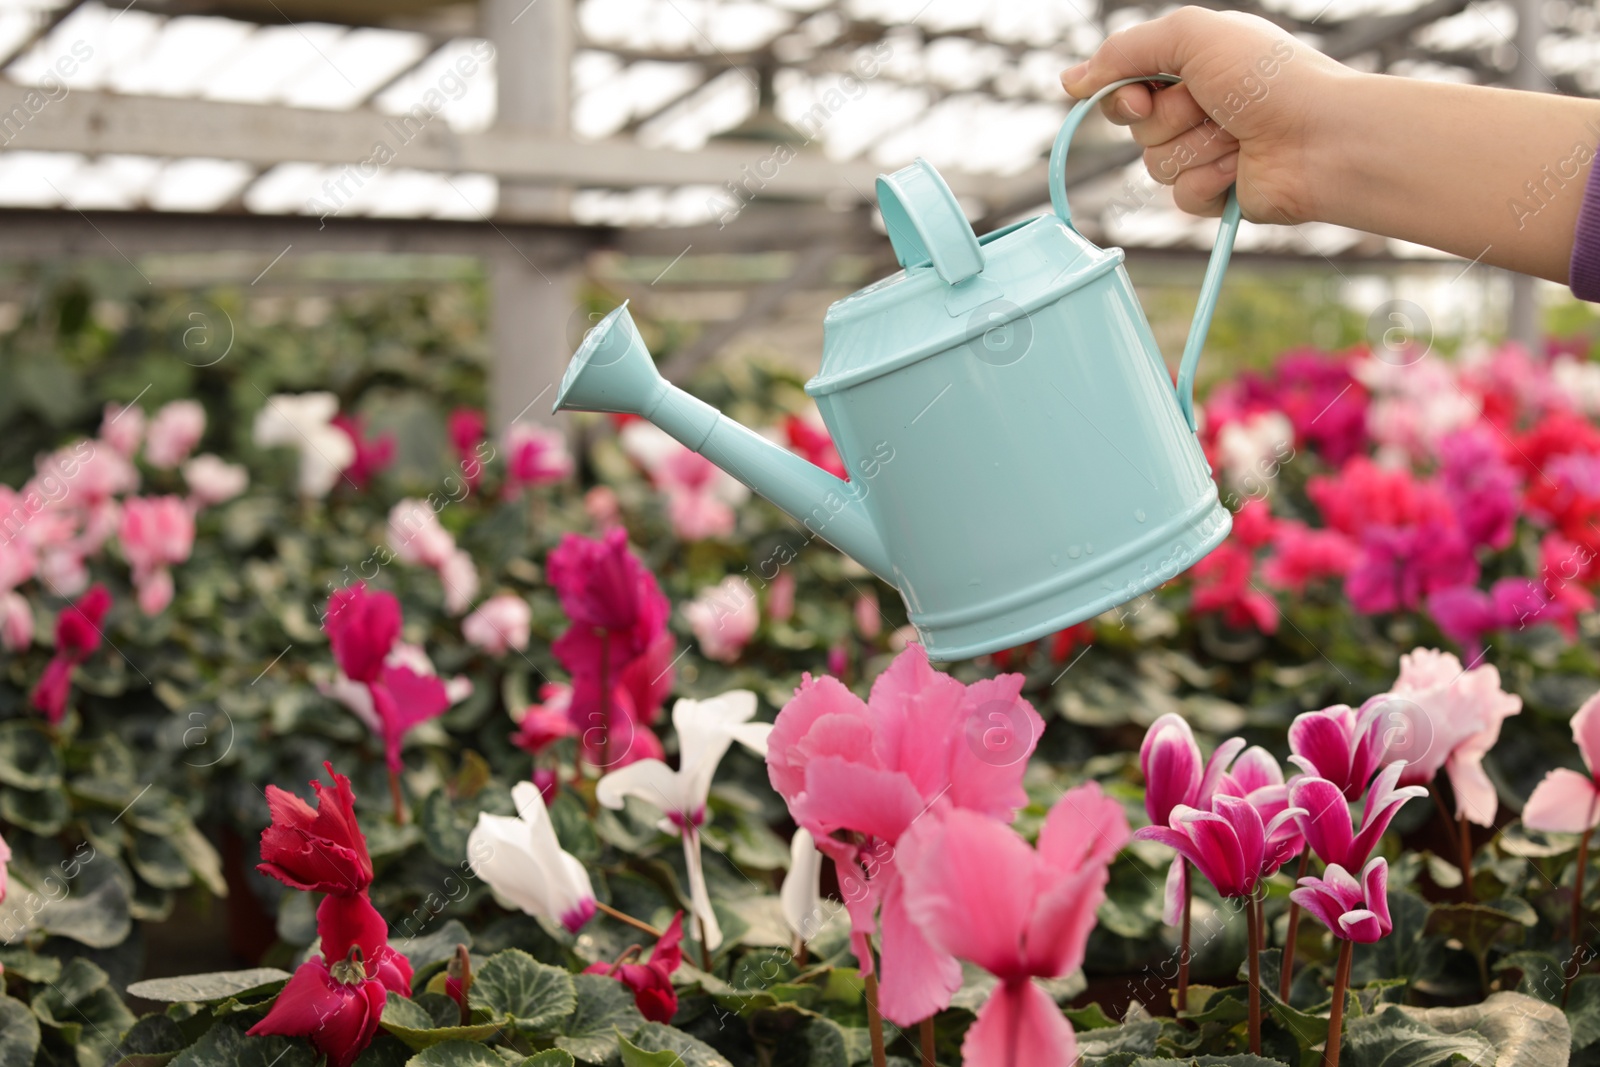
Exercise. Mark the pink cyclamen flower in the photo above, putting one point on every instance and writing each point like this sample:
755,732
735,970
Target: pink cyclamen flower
1567,802
16,621
156,532
417,536
922,742
5,858
780,598
542,725
1228,844
1484,489
1340,744
173,433
535,455
1465,613
1439,714
1170,761
1352,910
499,624
465,429
724,618
213,480
1017,912
122,427
701,497
1324,815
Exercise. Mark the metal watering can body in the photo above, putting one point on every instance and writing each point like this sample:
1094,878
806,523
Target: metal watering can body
1019,459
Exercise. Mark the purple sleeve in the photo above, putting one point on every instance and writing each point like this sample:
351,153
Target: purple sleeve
1584,273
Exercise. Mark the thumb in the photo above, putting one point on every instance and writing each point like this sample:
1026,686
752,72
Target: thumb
1161,46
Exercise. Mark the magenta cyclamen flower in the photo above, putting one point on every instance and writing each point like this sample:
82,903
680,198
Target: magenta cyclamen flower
1339,744
1324,816
1350,909
1228,843
1256,777
1170,760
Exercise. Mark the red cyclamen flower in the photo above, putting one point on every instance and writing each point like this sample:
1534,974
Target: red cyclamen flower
321,849
336,1000
77,635
651,981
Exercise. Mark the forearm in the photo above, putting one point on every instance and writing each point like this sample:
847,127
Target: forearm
1487,174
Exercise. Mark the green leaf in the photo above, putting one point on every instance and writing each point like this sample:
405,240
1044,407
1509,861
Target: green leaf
826,1044
411,1023
1542,974
431,948
1091,1017
21,962
1391,1038
19,1032
156,860
550,1057
457,1054
28,758
84,1010
605,1007
227,1045
92,914
45,813
216,985
634,1056
535,995
202,859
659,1045
1583,1011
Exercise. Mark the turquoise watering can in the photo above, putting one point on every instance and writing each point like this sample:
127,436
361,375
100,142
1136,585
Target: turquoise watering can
1019,459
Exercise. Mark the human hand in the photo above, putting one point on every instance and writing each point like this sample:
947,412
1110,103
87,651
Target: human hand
1250,109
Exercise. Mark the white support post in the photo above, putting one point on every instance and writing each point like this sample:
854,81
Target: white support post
533,291
1522,321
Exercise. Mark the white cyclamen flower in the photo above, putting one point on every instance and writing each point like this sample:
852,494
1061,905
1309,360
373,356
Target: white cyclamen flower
801,894
525,866
305,421
705,728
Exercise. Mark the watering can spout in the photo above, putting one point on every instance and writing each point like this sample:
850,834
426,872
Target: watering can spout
614,372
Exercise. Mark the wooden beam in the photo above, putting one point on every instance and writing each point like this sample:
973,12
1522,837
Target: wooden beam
98,123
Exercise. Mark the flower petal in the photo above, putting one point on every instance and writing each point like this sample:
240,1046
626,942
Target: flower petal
1565,802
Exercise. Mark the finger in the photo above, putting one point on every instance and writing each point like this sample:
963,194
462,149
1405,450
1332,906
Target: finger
1129,104
1197,147
1203,190
1173,112
1160,45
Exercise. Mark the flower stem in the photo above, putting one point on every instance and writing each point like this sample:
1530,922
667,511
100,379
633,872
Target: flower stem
624,917
925,1041
1466,855
1446,820
1183,944
1341,983
601,754
1577,912
1252,908
875,1022
1286,971
398,797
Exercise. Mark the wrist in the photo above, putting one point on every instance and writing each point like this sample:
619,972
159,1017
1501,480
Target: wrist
1335,143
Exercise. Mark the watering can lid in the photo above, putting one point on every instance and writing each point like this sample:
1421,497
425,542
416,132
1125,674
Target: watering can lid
954,286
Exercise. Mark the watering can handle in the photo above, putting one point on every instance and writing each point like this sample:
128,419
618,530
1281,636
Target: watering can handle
1210,286
926,224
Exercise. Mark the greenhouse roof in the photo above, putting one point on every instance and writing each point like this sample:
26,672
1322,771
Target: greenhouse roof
277,108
